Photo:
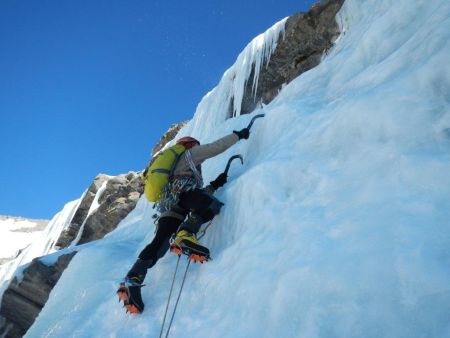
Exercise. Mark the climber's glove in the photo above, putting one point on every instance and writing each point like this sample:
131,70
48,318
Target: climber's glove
242,134
219,181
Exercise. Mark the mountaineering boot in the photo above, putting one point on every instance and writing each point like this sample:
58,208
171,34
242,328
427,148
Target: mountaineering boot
130,293
130,289
186,243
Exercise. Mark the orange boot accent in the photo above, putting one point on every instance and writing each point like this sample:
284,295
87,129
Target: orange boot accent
198,258
123,294
132,309
174,248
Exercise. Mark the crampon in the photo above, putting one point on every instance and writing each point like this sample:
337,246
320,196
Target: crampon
131,297
193,255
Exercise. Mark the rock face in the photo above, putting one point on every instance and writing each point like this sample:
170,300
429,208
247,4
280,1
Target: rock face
119,198
69,234
22,301
168,136
307,37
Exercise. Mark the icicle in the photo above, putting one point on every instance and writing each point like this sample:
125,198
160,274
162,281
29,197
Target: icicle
257,53
225,99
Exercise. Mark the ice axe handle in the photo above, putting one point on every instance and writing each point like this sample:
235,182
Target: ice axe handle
231,160
253,120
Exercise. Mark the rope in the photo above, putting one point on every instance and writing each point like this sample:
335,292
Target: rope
168,300
202,233
198,176
179,295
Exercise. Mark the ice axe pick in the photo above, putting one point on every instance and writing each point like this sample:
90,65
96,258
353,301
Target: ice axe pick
231,160
253,120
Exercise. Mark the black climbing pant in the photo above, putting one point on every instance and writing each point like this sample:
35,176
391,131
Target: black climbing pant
200,207
167,226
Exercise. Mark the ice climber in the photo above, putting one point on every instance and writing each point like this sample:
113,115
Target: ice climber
184,206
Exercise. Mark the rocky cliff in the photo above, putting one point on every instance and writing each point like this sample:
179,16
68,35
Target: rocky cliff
168,136
119,197
24,299
307,36
69,234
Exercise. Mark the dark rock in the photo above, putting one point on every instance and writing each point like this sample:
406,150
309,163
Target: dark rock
22,301
117,200
307,37
168,136
69,234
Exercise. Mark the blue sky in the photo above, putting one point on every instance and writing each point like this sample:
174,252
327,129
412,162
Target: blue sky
89,87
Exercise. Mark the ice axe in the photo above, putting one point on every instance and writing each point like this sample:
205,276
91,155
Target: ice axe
253,120
201,233
240,156
231,160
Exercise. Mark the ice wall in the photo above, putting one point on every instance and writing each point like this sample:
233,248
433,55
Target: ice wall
337,225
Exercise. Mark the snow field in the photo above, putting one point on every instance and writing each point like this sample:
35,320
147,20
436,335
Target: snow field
12,240
42,244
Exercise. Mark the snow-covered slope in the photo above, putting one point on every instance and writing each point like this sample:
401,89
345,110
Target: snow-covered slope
337,225
39,244
17,233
